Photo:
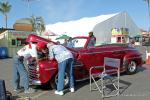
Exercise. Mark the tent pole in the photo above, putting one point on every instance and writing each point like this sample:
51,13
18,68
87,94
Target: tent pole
125,19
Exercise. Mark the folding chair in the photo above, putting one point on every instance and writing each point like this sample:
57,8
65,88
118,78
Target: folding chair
104,77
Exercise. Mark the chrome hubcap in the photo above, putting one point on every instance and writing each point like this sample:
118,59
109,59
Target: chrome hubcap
66,79
132,66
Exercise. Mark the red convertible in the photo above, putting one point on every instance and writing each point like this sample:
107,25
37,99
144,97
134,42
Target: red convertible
45,71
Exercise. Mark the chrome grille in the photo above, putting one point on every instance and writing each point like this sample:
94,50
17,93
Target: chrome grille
32,71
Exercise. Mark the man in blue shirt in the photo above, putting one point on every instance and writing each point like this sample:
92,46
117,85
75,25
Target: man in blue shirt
70,43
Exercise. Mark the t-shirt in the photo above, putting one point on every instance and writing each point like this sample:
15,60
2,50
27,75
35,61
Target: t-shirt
28,51
92,41
60,53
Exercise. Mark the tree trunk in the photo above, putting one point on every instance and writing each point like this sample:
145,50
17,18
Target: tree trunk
6,21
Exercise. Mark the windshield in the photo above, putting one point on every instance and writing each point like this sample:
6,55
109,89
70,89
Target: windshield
79,42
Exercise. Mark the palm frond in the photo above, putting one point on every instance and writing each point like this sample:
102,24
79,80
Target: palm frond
5,8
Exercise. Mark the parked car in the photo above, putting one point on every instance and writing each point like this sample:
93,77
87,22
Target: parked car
45,71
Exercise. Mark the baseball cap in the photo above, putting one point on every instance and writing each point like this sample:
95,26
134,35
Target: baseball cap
41,45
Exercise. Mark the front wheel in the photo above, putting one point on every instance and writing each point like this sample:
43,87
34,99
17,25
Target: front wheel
131,68
54,81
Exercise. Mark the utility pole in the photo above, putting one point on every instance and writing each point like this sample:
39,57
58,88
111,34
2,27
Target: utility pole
28,3
148,6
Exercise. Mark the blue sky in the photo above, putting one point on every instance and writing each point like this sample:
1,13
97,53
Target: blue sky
65,10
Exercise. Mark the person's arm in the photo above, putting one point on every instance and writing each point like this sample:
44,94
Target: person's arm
51,53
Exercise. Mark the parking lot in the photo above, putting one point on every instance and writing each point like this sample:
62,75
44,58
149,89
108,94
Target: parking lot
133,87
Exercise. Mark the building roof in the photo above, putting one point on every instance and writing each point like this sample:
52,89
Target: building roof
23,24
4,29
23,21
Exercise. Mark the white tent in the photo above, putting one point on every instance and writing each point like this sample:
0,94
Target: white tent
79,27
100,25
121,20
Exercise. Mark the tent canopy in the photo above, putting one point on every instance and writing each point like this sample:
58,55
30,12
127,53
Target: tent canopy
102,30
100,25
79,27
63,37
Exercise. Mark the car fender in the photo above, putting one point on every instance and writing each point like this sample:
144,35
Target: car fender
47,69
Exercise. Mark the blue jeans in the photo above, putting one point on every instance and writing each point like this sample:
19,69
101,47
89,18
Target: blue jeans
67,66
19,74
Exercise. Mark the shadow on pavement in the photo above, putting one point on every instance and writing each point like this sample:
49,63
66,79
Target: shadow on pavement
124,85
144,67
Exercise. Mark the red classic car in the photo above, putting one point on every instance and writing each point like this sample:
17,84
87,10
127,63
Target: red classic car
45,71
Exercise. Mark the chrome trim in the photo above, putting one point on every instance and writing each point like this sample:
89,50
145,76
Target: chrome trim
78,65
82,79
105,51
33,73
36,82
134,57
49,68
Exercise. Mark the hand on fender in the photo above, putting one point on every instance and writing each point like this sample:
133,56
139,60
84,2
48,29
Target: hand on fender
21,58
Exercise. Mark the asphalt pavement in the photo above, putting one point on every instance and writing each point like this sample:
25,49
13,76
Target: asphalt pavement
132,87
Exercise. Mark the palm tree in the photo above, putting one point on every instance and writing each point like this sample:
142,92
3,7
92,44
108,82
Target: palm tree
33,21
4,9
42,24
38,24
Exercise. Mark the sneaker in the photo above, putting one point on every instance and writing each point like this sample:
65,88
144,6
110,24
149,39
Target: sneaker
59,92
30,90
72,90
17,90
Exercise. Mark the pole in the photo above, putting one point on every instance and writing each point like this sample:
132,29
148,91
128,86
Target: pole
149,18
148,11
28,1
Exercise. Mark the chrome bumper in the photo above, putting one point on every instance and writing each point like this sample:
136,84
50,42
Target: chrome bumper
36,82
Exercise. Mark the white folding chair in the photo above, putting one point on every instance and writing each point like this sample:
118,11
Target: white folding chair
111,65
